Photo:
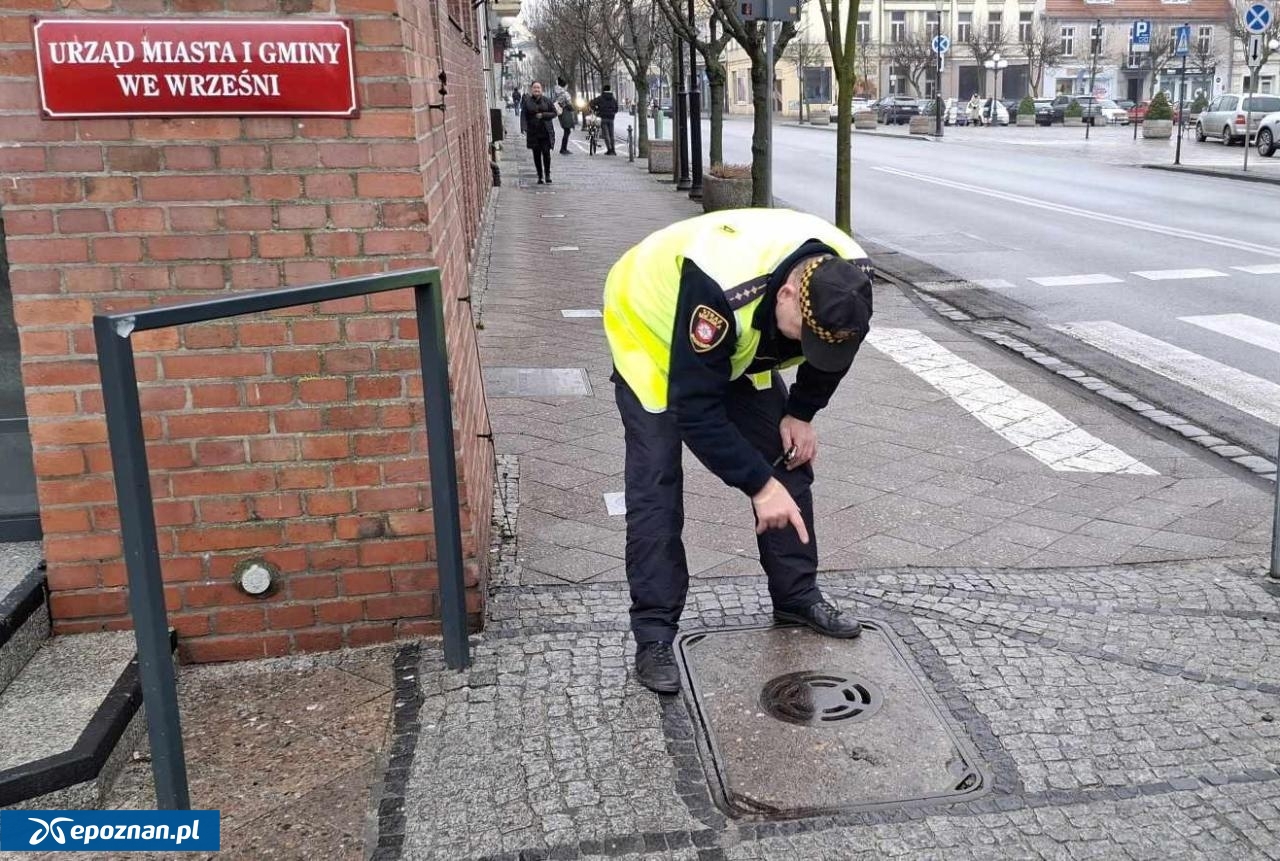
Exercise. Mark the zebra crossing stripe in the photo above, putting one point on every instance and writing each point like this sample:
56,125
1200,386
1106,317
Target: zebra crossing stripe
1242,327
1231,386
1260,269
1179,274
1029,424
1076,280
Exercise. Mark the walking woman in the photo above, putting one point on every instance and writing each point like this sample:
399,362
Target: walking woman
539,129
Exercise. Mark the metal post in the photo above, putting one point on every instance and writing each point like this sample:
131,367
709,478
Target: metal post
937,93
1275,527
434,356
631,145
768,106
1093,71
678,113
142,562
1182,86
1248,109
695,114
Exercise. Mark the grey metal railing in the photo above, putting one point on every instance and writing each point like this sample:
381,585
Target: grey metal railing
133,485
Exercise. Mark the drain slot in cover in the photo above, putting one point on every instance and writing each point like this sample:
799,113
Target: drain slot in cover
813,699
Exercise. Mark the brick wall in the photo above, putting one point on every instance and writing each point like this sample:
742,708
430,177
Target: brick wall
295,437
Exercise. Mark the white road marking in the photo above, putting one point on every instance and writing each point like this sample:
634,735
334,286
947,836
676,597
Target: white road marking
994,283
1031,425
1163,230
552,215
1245,392
615,503
564,248
1076,280
1242,327
581,312
1260,269
1179,274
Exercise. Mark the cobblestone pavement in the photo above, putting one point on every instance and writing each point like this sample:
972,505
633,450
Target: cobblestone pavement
1106,641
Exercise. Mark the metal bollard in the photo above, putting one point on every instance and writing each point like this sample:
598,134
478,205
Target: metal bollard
1275,523
631,150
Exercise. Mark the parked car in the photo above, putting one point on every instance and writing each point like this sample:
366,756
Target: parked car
1233,116
857,103
1044,112
896,110
1112,113
1002,113
1089,107
1138,112
1268,135
928,107
1011,106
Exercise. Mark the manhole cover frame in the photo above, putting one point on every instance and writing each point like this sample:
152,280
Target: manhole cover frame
974,770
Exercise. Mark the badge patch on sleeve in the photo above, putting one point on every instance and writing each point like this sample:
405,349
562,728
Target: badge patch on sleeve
706,329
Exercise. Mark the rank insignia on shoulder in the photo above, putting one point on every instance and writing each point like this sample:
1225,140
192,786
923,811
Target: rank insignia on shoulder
707,329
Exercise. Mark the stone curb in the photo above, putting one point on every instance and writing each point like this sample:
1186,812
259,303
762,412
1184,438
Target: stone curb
831,128
1218,173
1251,461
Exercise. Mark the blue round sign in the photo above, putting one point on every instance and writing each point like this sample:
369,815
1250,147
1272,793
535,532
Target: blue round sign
1257,18
941,44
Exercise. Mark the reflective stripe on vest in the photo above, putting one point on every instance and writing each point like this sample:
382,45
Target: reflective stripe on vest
738,248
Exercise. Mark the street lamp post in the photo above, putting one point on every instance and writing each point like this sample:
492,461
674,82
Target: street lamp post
996,64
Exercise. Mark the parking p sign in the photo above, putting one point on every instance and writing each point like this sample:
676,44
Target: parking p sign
1140,37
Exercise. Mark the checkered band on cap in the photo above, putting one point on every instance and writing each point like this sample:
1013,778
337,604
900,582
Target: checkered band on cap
806,304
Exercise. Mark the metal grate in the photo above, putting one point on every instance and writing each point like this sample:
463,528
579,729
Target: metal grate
812,698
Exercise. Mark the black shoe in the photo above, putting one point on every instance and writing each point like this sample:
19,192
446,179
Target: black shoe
656,668
539,180
548,180
823,617
565,152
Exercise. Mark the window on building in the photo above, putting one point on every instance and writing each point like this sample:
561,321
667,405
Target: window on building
1024,27
864,27
964,27
740,88
817,85
898,26
931,24
995,26
1068,41
1097,39
1204,39
1136,60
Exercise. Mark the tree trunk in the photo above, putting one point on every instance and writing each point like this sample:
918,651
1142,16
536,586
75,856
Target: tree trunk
641,119
716,79
844,154
760,129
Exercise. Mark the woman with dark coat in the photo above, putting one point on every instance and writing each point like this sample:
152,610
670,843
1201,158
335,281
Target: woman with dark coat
539,129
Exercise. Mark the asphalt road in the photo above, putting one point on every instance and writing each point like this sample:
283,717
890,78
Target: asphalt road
1164,283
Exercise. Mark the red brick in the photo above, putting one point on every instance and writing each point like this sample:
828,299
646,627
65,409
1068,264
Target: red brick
48,251
217,424
278,506
255,276
35,222
295,362
61,578
303,478
23,190
380,185
273,450
223,481
325,639
75,605
368,635
186,129
335,244
291,616
131,219
412,214
247,217
326,186
353,215
109,189
211,187
339,612
188,158
214,594
220,453
133,159
117,249
366,583
331,558
74,221
50,463
401,552
234,648
322,390
341,418
391,124
228,538
310,587
242,157
356,475
174,513
340,155
162,398
380,444
282,245
275,187
294,155
210,247
307,271
207,395
69,432
376,388
329,447
395,155
214,365
52,403
193,218
311,216
242,620
324,504
190,624
305,533
269,394
296,421
203,276
411,523
397,606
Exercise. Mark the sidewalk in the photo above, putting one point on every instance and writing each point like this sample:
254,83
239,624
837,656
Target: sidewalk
1079,599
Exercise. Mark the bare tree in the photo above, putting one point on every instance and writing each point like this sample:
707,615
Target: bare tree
914,55
1241,36
1152,60
711,48
636,27
841,28
554,29
1043,48
866,80
985,43
751,36
804,53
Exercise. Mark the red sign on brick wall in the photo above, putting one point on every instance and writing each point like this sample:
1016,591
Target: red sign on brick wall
191,67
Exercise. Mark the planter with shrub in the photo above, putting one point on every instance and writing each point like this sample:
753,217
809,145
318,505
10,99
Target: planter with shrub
1073,115
726,186
1026,112
819,115
1158,123
661,158
922,124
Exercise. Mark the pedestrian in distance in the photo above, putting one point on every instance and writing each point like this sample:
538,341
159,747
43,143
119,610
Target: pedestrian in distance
700,316
605,106
515,99
539,116
568,117
975,110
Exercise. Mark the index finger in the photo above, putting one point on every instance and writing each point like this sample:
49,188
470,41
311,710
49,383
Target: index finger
798,522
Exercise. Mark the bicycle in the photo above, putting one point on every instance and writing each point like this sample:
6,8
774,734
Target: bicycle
592,127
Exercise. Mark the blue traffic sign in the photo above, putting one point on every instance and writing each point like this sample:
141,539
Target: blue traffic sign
1257,18
1142,32
1182,44
941,44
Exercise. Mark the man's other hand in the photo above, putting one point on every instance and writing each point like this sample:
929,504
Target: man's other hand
803,437
775,509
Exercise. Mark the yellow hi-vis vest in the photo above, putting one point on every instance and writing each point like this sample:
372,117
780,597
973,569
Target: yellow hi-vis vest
738,249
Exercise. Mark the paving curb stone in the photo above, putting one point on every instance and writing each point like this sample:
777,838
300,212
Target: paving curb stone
1216,173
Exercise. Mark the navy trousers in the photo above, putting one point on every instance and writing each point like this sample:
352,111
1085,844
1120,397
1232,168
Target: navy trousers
657,571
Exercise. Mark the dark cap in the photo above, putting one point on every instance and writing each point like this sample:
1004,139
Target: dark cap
835,305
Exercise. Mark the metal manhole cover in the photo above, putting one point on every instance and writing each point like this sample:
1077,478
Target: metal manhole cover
815,699
795,724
